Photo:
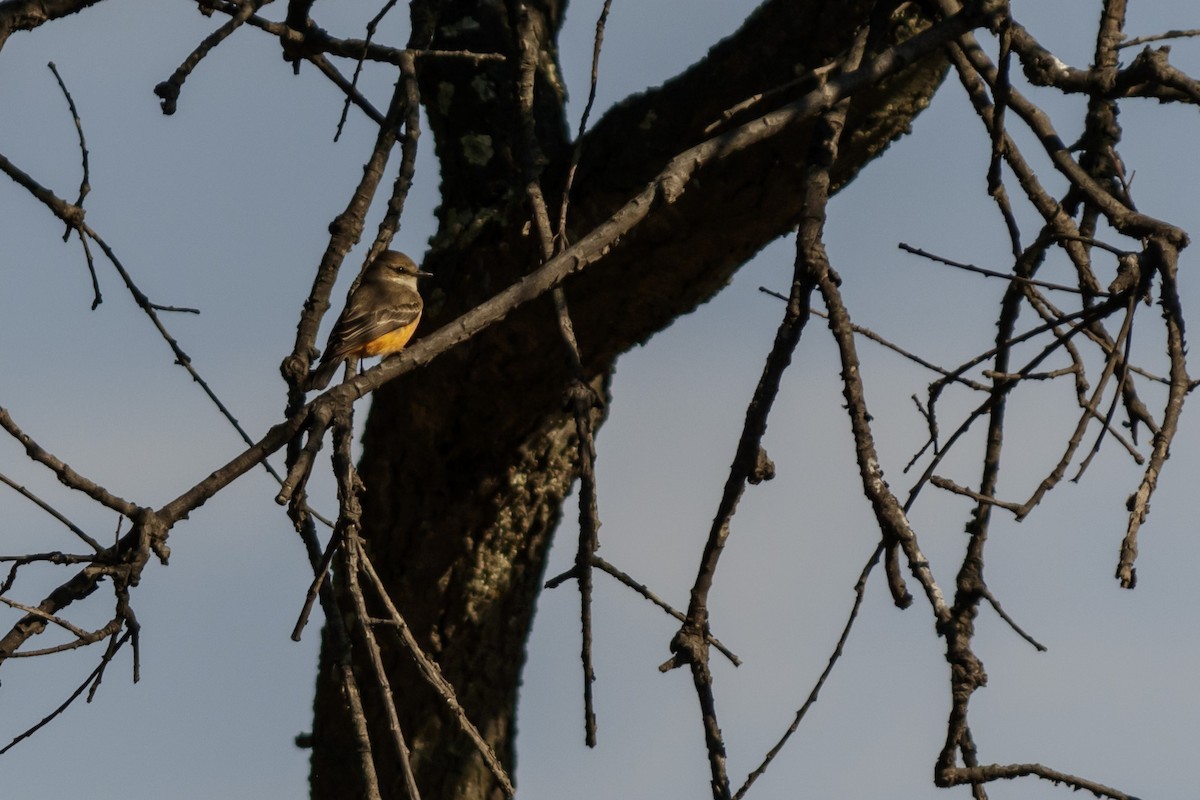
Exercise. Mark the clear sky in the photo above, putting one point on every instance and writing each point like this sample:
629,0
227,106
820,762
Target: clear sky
224,207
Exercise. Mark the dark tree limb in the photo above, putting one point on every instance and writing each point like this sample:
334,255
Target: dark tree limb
25,15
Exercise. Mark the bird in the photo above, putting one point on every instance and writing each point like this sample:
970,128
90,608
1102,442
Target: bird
380,316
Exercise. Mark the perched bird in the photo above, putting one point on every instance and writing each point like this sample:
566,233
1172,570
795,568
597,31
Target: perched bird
380,316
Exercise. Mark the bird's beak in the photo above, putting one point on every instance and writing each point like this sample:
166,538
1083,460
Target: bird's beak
423,274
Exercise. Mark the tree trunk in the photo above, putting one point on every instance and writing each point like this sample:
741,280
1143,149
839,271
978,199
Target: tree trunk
467,462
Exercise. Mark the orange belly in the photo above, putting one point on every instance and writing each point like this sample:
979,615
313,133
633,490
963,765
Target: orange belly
392,342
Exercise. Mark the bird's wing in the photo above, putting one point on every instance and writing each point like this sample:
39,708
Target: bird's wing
352,331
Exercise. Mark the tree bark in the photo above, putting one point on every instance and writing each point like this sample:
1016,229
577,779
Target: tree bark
467,462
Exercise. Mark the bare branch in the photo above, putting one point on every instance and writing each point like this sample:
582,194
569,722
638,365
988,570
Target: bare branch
44,506
961,775
84,185
168,90
66,476
433,675
1058,287
91,680
1165,261
860,588
1138,41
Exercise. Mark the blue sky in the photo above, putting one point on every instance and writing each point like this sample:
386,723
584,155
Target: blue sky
224,206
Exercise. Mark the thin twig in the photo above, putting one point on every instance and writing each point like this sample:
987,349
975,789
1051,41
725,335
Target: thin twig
91,678
1119,363
860,587
49,509
1012,623
352,94
1137,41
577,150
1058,287
349,518
354,553
950,486
79,633
647,593
352,90
895,348
319,582
433,675
1003,387
84,184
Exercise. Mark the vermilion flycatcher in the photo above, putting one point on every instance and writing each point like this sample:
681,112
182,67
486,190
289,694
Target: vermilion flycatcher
380,316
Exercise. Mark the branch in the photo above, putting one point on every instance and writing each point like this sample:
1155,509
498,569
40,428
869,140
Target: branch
961,775
91,680
25,15
49,509
354,556
433,676
860,588
168,90
1166,263
66,476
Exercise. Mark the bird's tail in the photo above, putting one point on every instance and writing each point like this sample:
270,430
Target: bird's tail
319,378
